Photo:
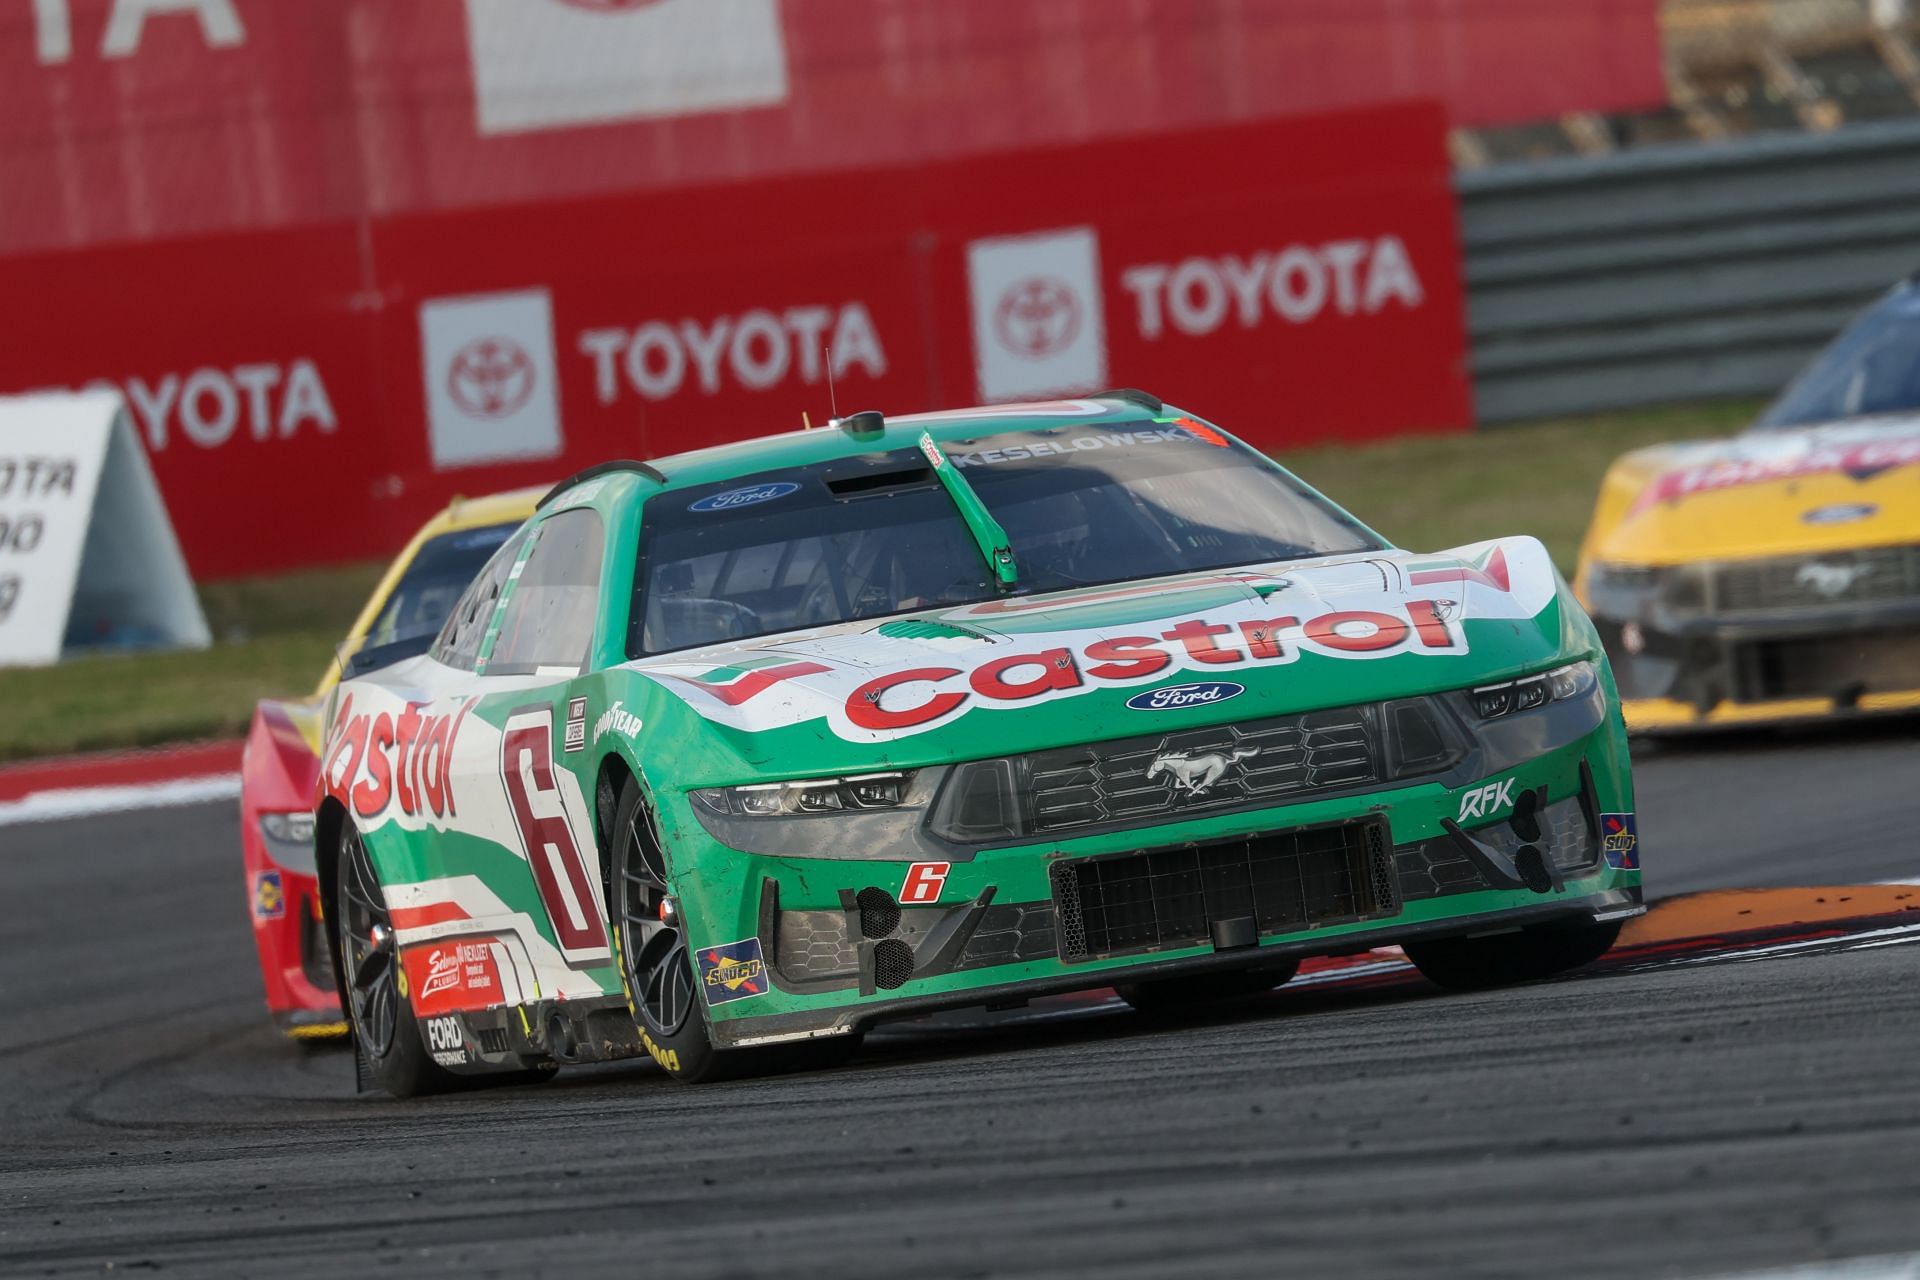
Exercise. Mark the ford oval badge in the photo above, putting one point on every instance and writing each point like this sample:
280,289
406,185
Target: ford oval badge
1174,697
1840,513
750,496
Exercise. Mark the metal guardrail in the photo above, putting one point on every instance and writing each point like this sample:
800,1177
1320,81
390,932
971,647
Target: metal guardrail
1679,273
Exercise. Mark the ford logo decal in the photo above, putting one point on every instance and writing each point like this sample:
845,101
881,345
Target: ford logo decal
1173,697
1842,513
750,496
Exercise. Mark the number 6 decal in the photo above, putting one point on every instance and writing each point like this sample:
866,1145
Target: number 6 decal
569,883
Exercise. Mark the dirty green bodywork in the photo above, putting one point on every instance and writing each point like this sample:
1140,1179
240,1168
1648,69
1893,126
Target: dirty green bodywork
721,890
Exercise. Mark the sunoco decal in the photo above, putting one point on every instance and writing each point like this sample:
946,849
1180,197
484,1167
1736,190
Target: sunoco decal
751,496
1620,841
1177,696
269,896
733,971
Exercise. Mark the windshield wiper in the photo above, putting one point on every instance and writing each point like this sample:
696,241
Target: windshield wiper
987,533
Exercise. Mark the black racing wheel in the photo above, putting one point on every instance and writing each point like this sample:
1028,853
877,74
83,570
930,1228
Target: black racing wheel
385,1033
658,971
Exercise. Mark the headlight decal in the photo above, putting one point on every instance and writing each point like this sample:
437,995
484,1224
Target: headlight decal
853,793
1575,680
288,838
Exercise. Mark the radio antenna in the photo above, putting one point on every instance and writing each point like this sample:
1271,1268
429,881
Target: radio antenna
833,404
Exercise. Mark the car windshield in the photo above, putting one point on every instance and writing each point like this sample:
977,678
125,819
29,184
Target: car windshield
876,535
418,606
1873,367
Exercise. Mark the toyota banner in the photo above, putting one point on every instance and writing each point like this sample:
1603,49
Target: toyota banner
347,260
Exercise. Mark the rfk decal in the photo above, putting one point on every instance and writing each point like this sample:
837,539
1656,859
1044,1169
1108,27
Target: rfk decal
923,883
1486,801
568,884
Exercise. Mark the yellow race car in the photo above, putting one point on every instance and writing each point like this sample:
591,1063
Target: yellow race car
1774,575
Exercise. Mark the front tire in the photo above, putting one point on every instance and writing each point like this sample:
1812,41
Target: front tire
656,966
384,1031
1540,951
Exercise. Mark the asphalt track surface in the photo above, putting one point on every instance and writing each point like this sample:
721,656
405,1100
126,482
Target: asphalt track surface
1680,1119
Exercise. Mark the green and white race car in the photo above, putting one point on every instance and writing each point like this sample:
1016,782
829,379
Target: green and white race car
727,757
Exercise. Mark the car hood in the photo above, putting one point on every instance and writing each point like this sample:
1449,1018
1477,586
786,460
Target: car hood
1775,492
1030,672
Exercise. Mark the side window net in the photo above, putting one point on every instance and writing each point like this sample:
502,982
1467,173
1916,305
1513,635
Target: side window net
555,602
459,642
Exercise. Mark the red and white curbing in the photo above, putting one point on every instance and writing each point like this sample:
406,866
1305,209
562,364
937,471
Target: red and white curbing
118,782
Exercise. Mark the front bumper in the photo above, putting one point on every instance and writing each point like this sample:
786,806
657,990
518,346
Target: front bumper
289,933
1707,672
842,952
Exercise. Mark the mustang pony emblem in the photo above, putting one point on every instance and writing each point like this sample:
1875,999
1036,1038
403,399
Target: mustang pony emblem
1830,580
1195,774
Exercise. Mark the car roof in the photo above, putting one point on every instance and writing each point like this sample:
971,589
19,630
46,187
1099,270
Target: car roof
475,513
839,439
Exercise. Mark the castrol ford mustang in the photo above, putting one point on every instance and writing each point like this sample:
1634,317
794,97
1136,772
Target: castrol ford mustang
1775,575
727,757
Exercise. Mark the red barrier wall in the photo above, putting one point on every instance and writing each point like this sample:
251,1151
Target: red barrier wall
309,394
142,119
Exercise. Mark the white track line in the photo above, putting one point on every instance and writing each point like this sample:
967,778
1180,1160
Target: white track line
1844,942
86,802
1892,1267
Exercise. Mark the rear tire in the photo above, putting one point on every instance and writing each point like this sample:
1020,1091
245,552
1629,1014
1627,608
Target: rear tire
656,967
385,1034
1474,964
1162,997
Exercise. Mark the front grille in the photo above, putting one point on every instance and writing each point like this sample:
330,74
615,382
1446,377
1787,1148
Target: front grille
1835,666
892,964
879,913
814,945
1437,867
1010,933
1138,779
1816,581
1172,898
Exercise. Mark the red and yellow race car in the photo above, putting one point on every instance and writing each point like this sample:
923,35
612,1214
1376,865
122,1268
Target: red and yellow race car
1774,576
282,759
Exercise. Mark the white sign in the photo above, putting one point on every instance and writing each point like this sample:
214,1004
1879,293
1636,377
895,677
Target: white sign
492,388
1038,323
549,64
87,553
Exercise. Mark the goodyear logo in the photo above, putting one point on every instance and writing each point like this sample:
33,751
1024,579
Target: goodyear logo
733,971
1620,841
669,1059
269,896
